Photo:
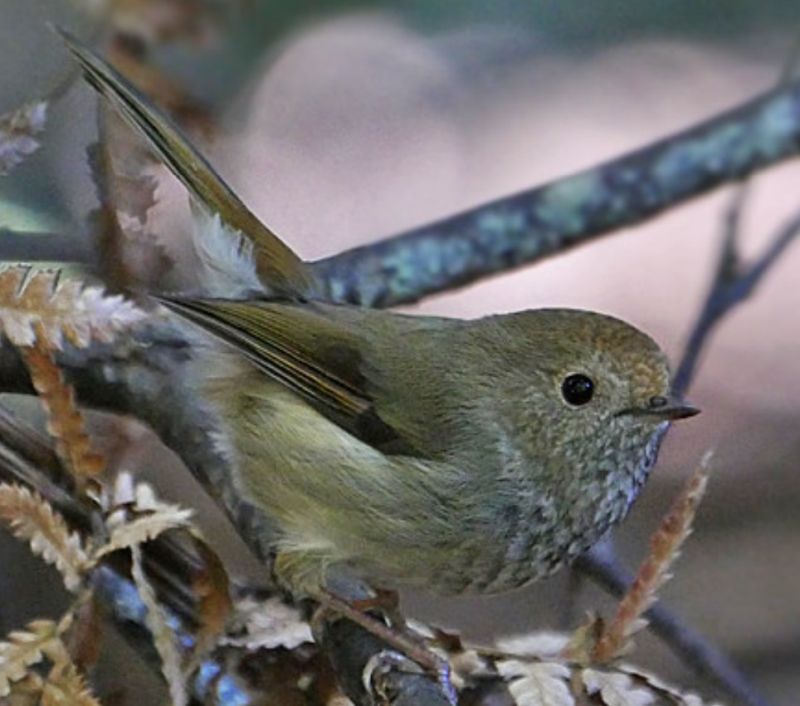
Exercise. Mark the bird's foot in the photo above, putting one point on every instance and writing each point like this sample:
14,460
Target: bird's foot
397,634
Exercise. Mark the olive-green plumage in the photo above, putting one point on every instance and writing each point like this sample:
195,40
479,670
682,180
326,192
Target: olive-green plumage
458,455
432,451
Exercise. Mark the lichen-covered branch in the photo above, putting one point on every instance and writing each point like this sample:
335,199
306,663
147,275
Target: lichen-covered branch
533,224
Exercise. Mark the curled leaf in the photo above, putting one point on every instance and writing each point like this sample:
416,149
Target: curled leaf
163,638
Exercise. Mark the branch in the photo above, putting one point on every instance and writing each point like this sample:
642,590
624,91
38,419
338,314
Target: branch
30,247
530,225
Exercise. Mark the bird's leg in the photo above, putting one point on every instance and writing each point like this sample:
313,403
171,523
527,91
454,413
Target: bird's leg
387,602
400,639
306,573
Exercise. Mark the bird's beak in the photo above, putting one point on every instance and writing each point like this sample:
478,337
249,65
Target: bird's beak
664,408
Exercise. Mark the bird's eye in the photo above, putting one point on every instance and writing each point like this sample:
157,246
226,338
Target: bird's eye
577,389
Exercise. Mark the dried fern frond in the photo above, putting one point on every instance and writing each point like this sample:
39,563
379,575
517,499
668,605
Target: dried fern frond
615,688
163,638
17,134
41,302
268,624
665,545
23,649
65,422
537,683
32,519
134,515
127,532
65,686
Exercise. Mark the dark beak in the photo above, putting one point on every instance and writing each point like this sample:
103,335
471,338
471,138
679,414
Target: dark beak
665,408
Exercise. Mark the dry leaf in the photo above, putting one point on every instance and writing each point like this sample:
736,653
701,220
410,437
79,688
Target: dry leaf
31,518
665,546
17,131
65,421
23,649
537,683
84,638
211,585
162,635
39,300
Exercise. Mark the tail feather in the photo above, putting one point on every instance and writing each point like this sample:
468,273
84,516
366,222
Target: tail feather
278,267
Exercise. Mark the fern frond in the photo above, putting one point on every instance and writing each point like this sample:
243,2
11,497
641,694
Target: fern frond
23,649
65,686
126,533
665,546
65,422
32,519
63,309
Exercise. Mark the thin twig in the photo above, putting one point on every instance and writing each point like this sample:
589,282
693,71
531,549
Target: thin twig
732,285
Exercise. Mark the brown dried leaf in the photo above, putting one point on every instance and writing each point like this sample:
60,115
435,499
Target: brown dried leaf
17,131
65,686
128,252
211,585
39,299
65,422
31,518
163,639
83,640
665,545
23,649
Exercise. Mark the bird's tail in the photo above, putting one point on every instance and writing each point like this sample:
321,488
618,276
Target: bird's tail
277,267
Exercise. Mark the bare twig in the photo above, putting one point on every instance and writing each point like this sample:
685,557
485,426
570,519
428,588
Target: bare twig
550,219
732,284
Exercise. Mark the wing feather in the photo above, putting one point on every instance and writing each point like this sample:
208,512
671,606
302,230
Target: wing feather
312,355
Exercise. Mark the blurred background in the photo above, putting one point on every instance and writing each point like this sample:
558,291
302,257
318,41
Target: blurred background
340,123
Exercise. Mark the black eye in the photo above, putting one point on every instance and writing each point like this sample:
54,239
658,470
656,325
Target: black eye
577,389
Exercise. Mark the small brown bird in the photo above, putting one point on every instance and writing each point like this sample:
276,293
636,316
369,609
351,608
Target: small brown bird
457,455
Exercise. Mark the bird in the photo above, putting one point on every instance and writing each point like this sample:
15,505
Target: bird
462,456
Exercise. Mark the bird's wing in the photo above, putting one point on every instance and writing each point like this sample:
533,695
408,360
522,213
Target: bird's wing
316,357
278,266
